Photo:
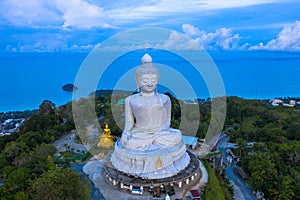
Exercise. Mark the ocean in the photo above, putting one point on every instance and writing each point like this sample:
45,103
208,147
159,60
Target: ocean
29,78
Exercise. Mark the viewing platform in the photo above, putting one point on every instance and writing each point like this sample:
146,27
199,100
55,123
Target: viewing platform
132,183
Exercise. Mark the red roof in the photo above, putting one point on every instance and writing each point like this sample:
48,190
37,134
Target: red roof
195,193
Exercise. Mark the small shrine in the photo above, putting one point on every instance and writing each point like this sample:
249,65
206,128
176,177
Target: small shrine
106,140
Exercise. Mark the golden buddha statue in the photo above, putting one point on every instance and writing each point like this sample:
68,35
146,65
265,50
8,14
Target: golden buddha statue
106,140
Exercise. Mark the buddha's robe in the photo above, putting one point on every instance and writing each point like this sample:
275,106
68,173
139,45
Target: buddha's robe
147,123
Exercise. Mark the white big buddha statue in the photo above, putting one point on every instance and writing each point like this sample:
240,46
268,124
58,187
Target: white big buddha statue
149,148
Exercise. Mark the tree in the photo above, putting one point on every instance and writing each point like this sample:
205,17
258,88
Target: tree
14,149
20,196
47,107
18,180
37,165
7,170
65,113
3,162
284,189
294,131
21,160
36,161
66,145
272,133
60,184
44,150
242,146
6,139
263,172
31,139
176,113
290,152
38,123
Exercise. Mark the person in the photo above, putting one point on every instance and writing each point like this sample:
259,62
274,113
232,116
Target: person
148,113
167,197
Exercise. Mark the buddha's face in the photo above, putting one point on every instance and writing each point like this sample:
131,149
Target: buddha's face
147,83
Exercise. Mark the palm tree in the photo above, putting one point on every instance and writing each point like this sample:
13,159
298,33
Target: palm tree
242,146
284,189
66,146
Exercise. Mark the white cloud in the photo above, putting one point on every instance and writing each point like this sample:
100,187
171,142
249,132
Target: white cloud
47,47
149,38
44,13
191,39
177,41
288,39
81,14
156,8
93,13
222,38
220,4
29,13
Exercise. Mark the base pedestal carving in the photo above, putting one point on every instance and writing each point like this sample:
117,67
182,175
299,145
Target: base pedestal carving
150,164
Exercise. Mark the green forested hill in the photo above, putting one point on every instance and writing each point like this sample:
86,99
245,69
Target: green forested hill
273,161
26,167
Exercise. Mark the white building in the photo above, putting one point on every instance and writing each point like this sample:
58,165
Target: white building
8,121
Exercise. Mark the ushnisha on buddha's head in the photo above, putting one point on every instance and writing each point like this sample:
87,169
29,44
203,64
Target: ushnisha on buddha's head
146,75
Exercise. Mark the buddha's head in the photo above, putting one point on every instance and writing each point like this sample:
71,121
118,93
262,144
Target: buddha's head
147,75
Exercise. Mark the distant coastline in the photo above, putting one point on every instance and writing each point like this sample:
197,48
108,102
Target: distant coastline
273,101
246,74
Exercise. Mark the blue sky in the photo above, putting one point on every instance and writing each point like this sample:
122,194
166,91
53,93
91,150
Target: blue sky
78,25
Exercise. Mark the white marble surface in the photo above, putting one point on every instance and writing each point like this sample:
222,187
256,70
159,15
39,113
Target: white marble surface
144,163
147,135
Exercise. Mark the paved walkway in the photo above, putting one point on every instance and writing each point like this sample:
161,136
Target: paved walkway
238,194
204,178
200,181
68,139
